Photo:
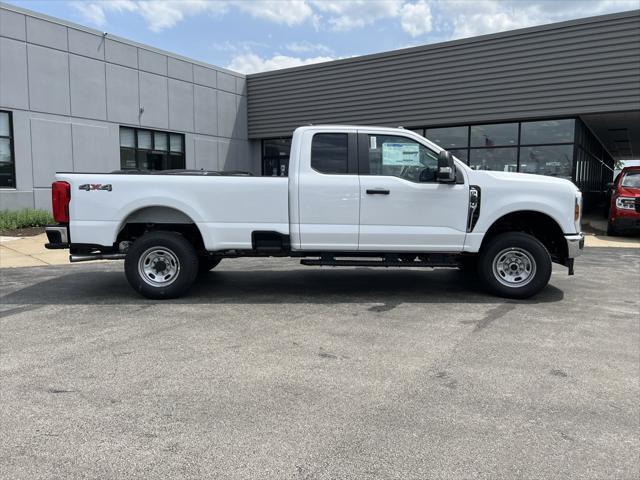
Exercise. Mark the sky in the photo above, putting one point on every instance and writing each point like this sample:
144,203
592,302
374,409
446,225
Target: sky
251,36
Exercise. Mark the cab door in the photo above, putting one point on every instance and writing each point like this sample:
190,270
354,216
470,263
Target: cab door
328,200
402,206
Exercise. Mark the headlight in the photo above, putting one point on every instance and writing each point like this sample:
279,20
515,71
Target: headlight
626,203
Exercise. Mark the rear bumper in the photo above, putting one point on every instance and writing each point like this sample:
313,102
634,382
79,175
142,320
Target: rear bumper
58,237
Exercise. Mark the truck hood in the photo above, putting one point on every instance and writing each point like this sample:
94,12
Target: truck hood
528,178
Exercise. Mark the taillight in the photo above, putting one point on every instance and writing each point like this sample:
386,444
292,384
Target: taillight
60,198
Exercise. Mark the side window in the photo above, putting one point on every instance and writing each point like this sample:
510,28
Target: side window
330,153
401,157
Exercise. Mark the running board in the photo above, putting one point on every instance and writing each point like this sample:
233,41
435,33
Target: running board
434,260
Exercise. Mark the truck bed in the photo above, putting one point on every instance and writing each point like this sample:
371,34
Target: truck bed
226,208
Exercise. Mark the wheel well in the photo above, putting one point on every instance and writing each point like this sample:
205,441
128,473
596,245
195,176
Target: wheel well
155,218
537,224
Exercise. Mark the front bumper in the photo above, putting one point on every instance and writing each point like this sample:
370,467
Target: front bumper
575,245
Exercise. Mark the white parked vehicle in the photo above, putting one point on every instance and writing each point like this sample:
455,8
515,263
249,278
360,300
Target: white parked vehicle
355,196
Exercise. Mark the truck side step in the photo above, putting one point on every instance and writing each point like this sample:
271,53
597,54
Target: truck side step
403,260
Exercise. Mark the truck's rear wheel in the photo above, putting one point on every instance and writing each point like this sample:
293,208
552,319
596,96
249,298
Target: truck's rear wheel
514,265
161,265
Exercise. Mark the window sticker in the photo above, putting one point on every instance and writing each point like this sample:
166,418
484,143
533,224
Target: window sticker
373,143
401,154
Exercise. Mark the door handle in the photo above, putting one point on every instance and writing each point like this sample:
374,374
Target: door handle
377,191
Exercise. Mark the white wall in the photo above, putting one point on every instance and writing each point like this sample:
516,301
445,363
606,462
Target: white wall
70,88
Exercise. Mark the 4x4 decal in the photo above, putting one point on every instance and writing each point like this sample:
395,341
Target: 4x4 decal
95,186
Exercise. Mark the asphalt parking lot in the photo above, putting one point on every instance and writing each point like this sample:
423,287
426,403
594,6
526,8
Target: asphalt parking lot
273,370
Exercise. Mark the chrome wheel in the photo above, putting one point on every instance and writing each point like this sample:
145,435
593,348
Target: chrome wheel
514,267
159,266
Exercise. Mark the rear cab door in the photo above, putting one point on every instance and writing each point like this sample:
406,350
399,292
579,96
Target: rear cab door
402,206
325,190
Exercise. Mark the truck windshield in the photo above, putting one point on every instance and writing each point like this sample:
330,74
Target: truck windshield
631,180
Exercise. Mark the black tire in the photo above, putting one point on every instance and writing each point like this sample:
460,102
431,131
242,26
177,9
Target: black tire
611,230
207,264
170,252
511,252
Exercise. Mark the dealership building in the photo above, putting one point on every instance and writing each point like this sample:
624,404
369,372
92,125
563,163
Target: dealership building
560,99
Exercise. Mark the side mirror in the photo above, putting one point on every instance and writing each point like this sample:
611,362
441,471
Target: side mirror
446,168
610,185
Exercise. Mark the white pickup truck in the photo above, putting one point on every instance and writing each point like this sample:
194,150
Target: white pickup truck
355,196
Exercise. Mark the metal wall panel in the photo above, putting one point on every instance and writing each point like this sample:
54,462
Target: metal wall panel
88,90
122,91
582,66
51,150
154,100
70,94
86,44
180,105
206,108
48,80
95,148
13,74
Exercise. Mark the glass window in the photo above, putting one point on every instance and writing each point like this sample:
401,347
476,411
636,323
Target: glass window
128,159
160,141
495,135
631,179
461,154
151,150
553,160
7,164
5,125
127,137
175,142
401,157
275,157
500,159
449,137
144,139
547,131
330,153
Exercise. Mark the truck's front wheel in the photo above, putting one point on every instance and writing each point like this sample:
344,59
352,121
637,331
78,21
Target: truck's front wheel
161,265
514,265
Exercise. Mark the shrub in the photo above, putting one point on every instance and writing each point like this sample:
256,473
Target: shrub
14,219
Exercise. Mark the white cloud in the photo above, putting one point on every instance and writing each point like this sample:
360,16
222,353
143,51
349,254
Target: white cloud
469,19
238,46
162,14
415,18
306,47
344,15
92,13
289,12
253,63
96,12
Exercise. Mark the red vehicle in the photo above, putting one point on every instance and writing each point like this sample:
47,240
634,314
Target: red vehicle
624,208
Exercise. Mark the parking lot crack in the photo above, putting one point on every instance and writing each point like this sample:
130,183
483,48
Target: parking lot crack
493,315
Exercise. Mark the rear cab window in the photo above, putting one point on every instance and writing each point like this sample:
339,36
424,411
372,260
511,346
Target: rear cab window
330,153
